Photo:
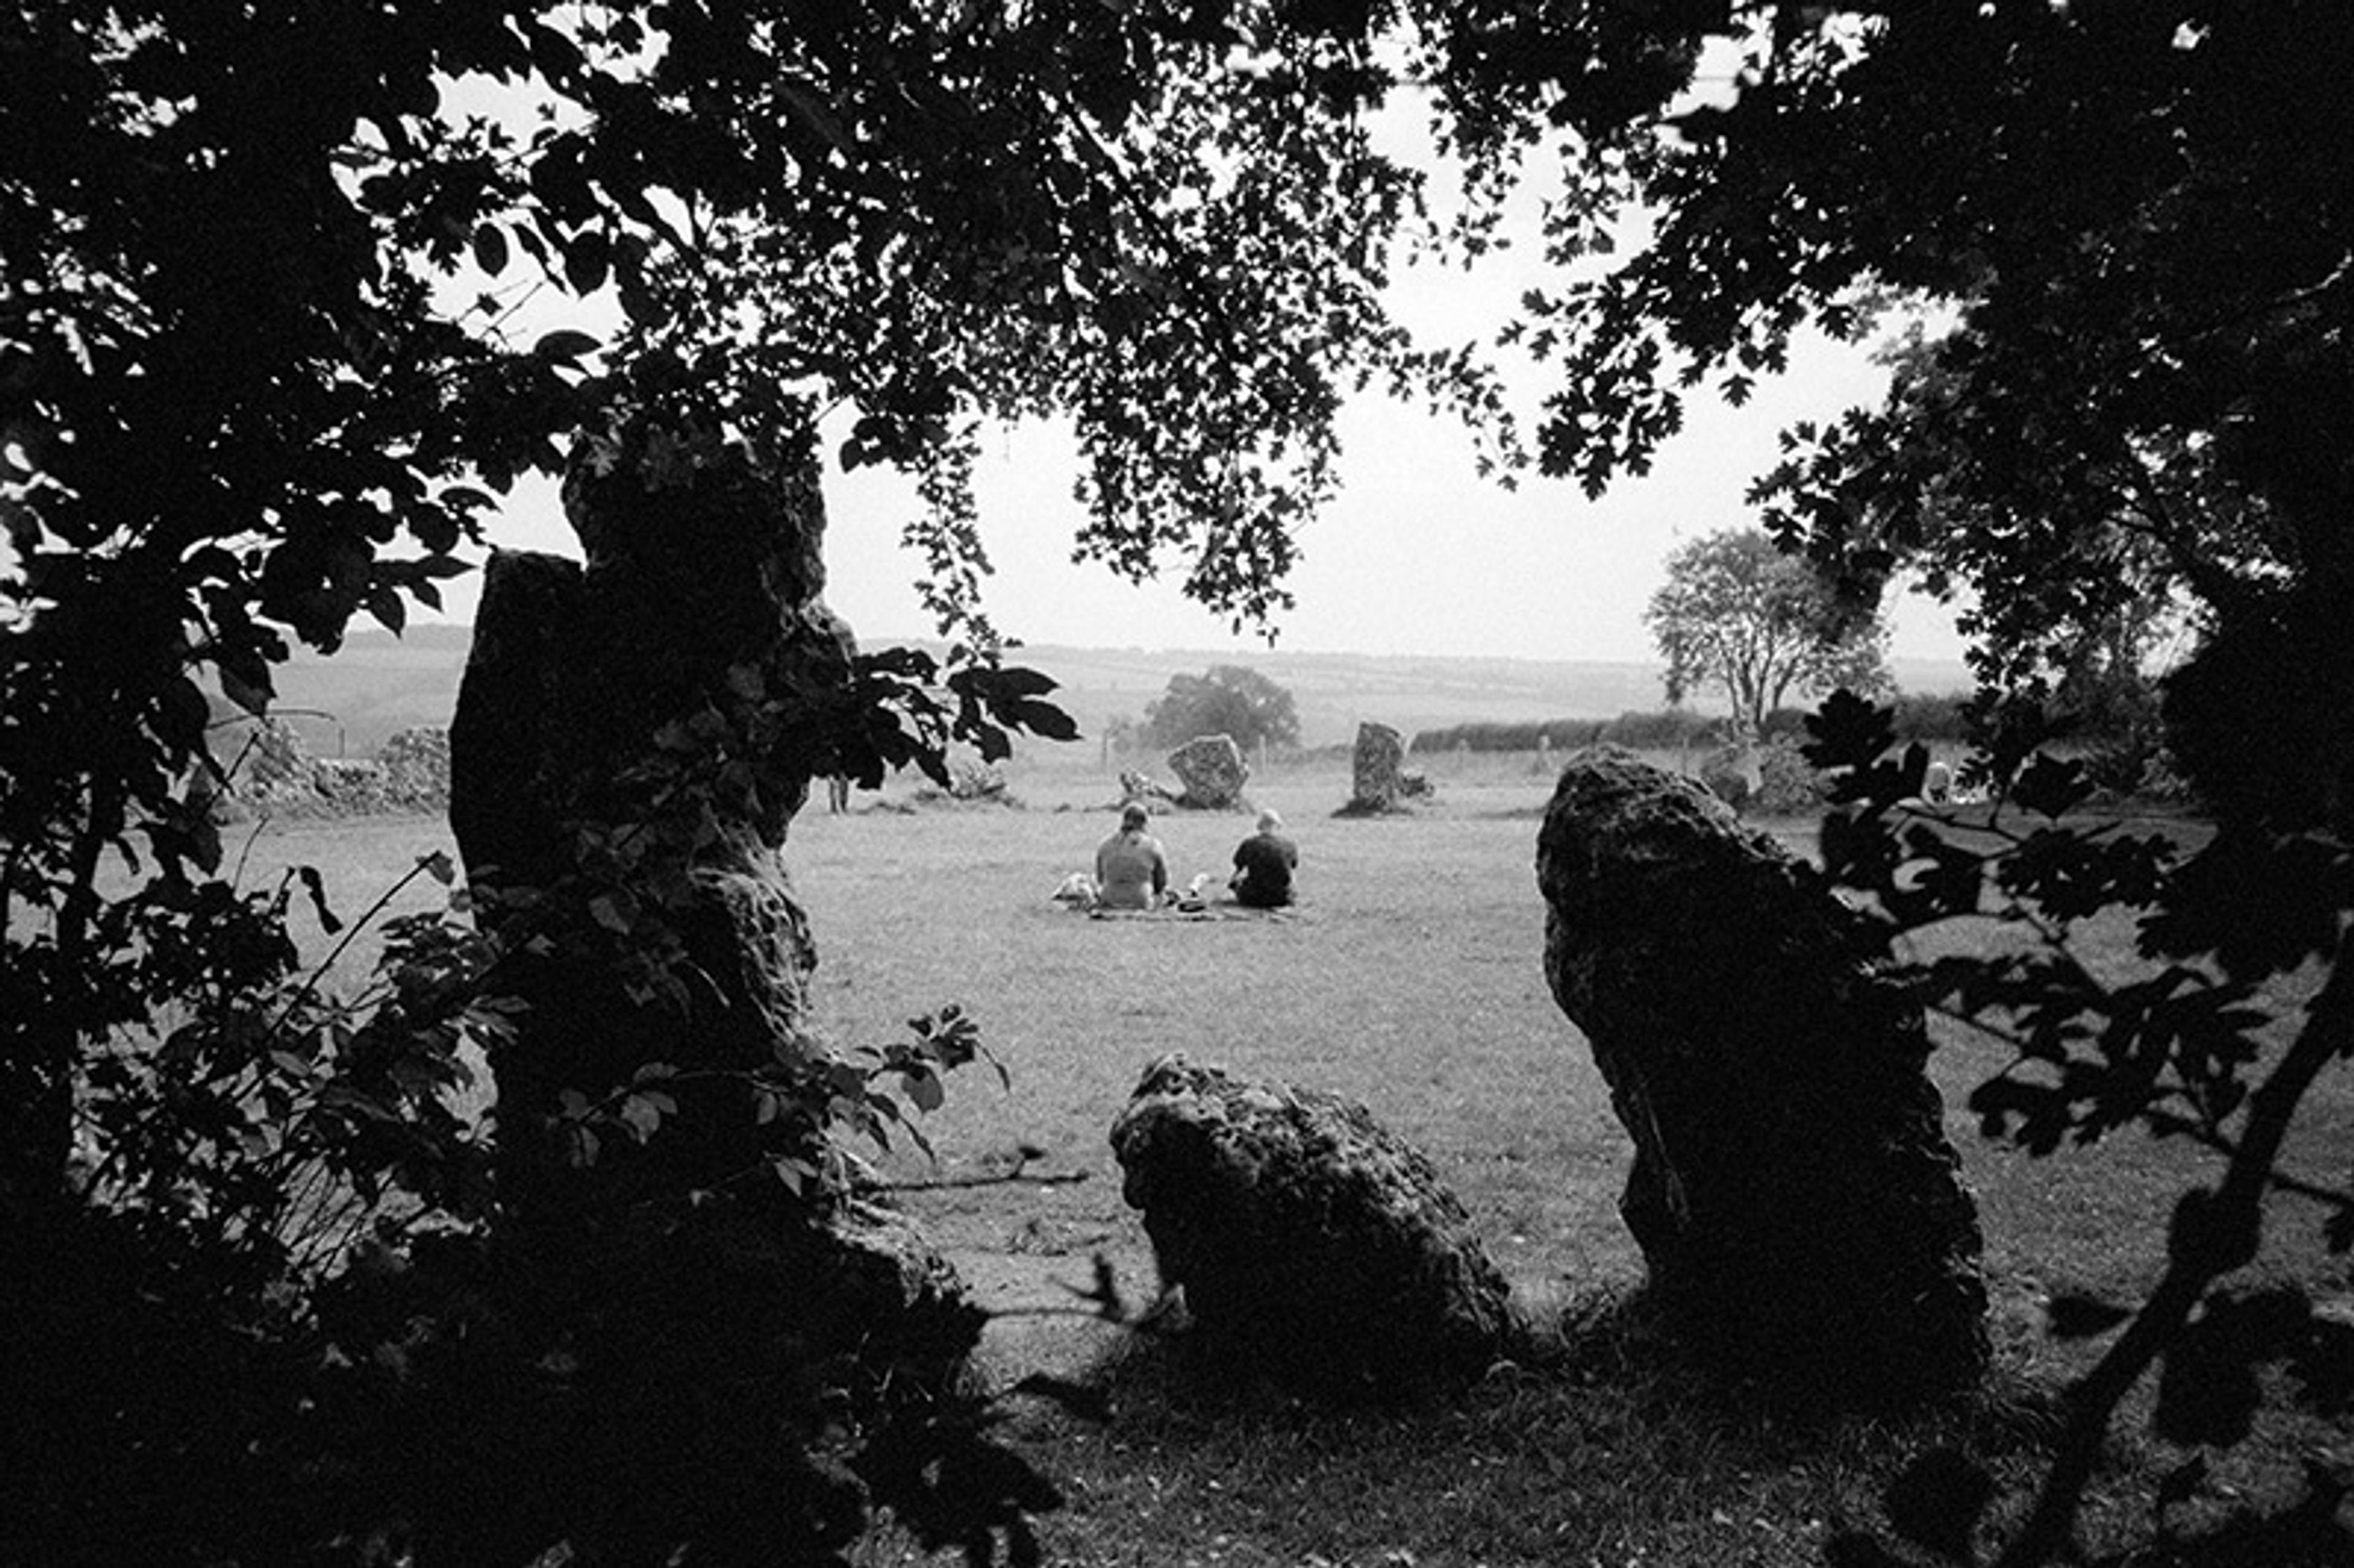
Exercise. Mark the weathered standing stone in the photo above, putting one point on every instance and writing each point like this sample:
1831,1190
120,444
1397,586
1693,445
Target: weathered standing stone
1793,1190
631,740
553,721
1211,771
1380,753
1381,782
1312,1244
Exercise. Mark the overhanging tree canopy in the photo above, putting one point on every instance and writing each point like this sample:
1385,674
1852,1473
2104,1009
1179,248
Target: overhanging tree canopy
256,266
2135,215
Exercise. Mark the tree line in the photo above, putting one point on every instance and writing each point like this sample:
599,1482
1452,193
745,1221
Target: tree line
1932,717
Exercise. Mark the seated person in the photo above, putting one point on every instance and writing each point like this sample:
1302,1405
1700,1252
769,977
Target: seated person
1263,865
1131,872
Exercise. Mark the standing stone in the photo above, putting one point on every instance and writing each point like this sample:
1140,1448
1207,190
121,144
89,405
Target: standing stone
1311,1243
1381,782
595,707
1793,1192
1211,769
631,740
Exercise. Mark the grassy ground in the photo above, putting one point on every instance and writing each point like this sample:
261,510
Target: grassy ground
1410,978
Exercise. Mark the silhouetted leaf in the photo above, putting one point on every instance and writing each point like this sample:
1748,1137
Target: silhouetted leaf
2051,786
1847,732
315,886
490,249
1936,1501
2073,1315
925,1088
245,679
564,344
2183,1482
2323,1366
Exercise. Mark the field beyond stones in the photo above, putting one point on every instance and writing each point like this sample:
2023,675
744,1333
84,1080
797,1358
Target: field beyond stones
1410,978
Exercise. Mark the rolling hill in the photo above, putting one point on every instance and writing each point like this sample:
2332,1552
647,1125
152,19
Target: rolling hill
378,684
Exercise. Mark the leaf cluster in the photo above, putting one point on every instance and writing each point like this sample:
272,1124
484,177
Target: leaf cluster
2121,225
2193,1040
241,1111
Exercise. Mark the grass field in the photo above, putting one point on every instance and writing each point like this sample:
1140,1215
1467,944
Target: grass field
1410,978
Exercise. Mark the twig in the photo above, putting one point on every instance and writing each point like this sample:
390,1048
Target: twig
1000,1179
351,932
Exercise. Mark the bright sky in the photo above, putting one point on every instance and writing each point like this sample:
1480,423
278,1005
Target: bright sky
1419,555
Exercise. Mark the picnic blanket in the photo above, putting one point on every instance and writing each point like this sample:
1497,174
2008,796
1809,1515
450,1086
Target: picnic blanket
1199,912
1076,894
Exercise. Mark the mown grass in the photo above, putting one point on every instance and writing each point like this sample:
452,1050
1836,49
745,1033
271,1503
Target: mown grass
1410,979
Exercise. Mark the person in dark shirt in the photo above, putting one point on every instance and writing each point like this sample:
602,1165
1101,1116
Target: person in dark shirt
1263,865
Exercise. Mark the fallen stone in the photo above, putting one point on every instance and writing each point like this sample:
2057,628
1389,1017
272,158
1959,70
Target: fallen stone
1137,784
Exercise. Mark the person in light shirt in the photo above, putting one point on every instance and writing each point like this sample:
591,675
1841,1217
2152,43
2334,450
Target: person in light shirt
1131,869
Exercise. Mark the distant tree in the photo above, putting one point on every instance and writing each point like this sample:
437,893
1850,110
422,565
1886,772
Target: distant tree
1228,700
1737,613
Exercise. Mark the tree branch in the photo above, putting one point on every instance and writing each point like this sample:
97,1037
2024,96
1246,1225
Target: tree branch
2216,1232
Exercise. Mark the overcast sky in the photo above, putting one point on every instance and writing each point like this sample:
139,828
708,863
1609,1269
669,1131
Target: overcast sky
1419,555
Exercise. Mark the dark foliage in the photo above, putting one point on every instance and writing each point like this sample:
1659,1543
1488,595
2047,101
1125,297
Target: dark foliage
263,272
2178,1050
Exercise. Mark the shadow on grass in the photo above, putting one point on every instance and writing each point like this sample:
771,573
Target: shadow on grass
1602,1443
